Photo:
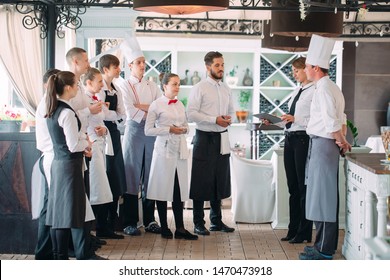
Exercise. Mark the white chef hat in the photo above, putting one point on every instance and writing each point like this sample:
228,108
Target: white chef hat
131,49
320,51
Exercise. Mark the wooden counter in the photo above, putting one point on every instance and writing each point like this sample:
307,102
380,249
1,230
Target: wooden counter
368,186
371,162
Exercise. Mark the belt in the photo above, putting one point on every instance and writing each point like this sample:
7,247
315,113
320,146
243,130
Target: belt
295,133
210,133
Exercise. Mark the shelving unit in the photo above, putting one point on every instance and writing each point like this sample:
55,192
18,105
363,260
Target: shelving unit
276,86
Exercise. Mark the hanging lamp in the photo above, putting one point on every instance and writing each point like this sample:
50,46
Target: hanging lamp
284,43
289,23
180,7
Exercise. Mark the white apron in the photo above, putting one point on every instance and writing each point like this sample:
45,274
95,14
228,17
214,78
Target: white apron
100,191
168,156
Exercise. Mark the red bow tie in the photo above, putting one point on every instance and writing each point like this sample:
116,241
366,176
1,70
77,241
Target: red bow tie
172,101
94,97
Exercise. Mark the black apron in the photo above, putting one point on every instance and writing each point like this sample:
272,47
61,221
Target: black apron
114,164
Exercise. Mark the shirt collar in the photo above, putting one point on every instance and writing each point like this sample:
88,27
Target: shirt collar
213,82
134,80
321,81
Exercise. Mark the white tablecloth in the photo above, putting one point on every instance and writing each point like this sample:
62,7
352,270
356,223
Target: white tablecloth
375,143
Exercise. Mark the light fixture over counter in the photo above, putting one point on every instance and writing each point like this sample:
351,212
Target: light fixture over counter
180,7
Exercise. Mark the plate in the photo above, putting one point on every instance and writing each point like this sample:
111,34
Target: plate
385,161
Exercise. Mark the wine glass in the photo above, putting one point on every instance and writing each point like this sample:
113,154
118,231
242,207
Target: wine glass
385,134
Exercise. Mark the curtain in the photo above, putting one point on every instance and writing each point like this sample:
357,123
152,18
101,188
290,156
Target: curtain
21,55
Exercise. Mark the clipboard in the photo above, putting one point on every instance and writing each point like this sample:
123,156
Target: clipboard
271,118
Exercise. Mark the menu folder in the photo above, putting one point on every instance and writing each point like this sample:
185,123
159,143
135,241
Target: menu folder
269,117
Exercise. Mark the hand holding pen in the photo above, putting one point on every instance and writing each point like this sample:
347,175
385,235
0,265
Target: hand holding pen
224,120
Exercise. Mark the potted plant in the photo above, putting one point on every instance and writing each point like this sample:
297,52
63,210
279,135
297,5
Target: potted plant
231,78
356,148
244,98
354,133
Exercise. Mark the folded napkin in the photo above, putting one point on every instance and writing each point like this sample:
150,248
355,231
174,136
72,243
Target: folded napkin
225,143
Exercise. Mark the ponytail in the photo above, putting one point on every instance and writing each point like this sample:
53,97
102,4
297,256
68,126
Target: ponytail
55,89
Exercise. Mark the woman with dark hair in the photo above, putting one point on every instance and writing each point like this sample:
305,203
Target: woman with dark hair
67,201
296,145
168,179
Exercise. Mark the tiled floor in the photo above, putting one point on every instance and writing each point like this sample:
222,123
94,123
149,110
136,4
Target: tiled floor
248,242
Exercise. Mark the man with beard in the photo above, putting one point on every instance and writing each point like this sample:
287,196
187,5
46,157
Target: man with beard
210,106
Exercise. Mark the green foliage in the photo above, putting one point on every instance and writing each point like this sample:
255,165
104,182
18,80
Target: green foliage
354,132
244,98
232,73
184,100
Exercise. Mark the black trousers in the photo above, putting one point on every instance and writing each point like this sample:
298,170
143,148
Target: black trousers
215,212
295,154
131,213
326,237
43,249
177,207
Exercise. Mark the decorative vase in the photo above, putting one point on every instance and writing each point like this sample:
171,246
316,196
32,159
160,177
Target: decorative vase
10,126
242,116
195,78
247,81
231,81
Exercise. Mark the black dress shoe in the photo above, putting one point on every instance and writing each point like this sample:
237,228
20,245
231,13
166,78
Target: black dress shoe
166,233
201,230
185,235
221,227
287,238
97,240
298,240
108,235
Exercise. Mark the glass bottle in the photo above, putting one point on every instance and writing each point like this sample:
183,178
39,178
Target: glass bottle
247,81
195,78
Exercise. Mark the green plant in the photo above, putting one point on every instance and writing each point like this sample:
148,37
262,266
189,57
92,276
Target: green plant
233,72
354,132
184,100
244,98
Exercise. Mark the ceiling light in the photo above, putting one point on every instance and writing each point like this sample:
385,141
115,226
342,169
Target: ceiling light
180,7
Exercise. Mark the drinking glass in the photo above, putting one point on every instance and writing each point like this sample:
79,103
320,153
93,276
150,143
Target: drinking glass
385,134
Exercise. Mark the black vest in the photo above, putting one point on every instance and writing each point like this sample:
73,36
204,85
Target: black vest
61,150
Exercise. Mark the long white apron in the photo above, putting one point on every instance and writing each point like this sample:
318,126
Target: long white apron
166,160
100,191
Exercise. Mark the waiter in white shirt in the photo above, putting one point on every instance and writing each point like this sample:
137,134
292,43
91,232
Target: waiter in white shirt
44,249
210,106
138,94
327,142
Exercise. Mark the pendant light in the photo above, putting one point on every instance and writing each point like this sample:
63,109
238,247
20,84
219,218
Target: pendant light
180,7
289,23
284,43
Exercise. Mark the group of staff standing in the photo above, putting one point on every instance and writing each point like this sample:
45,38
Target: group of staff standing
88,167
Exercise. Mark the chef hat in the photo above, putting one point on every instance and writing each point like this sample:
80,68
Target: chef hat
320,51
131,49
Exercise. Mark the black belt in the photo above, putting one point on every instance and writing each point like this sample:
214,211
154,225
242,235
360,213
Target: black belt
210,133
295,133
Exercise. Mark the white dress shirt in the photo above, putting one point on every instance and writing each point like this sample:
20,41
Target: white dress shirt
42,134
80,103
120,112
209,99
137,92
302,107
327,109
95,120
